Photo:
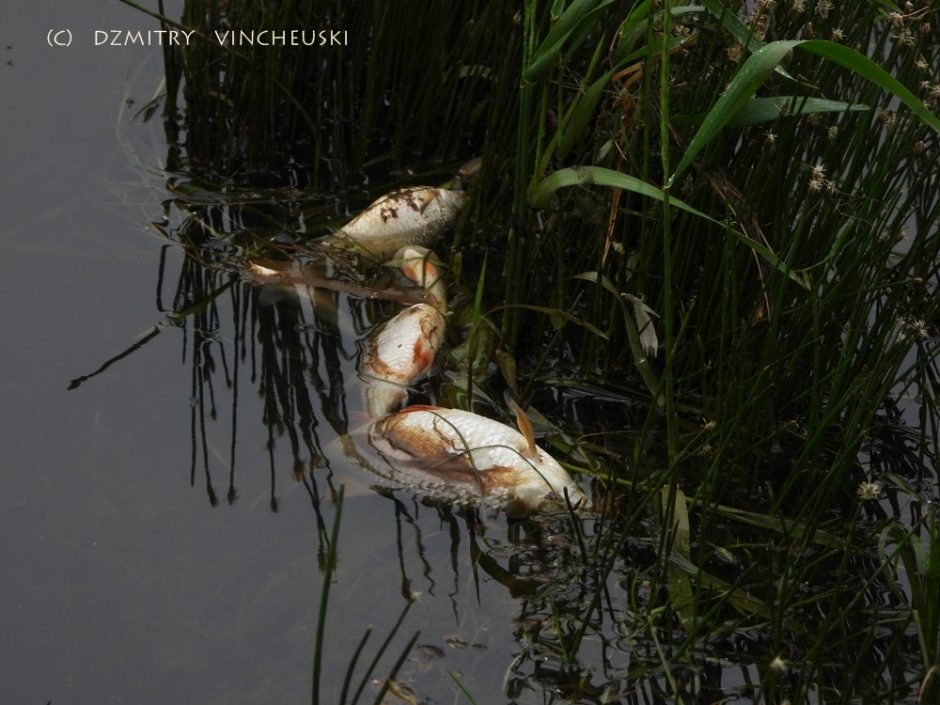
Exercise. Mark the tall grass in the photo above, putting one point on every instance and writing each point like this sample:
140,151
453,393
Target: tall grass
791,253
761,176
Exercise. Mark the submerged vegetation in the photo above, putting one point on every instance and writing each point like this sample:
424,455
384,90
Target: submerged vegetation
703,251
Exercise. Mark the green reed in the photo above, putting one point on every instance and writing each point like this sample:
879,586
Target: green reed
762,177
792,311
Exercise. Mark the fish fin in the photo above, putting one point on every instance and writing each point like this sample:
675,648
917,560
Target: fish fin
525,428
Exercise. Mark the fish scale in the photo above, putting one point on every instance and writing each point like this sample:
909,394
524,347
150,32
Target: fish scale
410,216
476,456
449,454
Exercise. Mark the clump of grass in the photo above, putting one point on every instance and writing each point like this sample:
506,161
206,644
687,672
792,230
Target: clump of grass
328,115
759,177
777,212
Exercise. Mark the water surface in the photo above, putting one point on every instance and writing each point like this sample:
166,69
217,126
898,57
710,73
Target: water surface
122,583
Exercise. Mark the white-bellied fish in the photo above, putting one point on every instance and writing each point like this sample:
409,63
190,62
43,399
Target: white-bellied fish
403,348
467,458
416,264
410,216
398,354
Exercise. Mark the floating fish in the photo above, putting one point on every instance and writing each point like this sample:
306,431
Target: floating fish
460,456
403,349
410,216
398,354
416,264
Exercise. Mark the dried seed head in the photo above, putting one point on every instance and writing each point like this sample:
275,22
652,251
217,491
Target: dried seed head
905,37
707,450
819,172
832,132
868,491
838,35
823,8
896,18
770,137
921,64
778,665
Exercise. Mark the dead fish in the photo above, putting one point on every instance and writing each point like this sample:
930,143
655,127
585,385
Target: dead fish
399,354
403,349
416,264
411,216
461,456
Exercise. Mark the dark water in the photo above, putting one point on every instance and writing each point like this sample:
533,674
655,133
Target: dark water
121,583
143,561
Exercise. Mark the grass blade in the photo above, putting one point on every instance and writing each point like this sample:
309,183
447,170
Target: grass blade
760,110
325,596
584,175
761,64
550,48
868,69
745,83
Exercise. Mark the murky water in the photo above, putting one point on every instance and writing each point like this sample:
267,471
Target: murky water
169,481
141,562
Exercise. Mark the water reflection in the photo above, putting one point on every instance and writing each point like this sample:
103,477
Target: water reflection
551,609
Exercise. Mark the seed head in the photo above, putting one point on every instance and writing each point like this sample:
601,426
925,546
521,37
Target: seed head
918,328
869,491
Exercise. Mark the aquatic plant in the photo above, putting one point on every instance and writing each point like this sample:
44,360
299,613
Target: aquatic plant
716,225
